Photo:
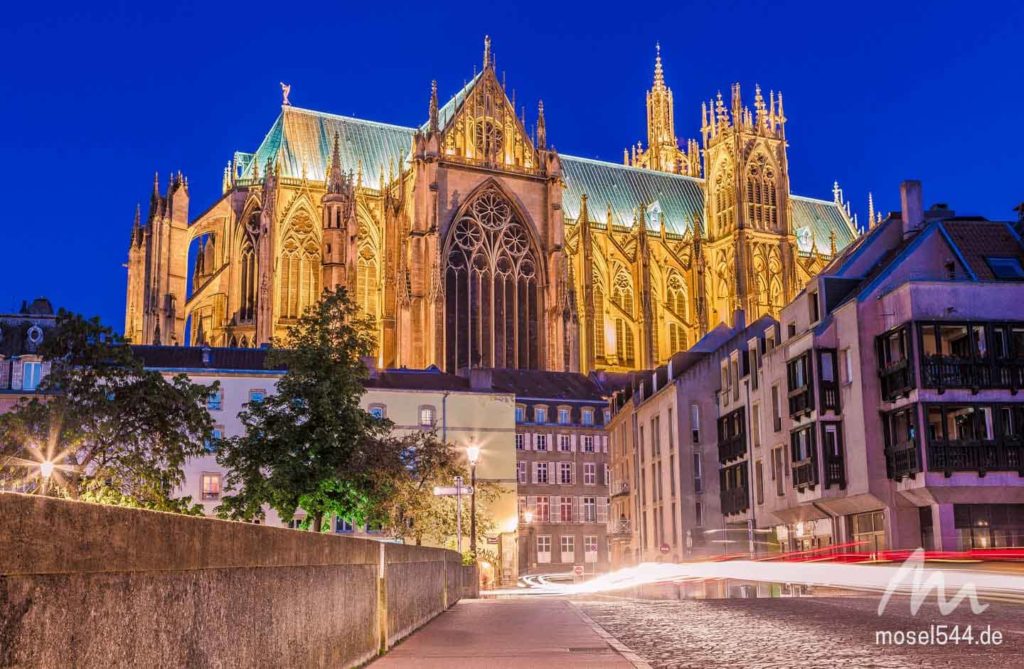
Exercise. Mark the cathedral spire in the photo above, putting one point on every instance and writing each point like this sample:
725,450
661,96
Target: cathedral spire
659,74
487,51
542,134
334,176
871,210
433,107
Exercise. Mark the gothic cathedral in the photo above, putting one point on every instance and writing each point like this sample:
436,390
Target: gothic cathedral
470,242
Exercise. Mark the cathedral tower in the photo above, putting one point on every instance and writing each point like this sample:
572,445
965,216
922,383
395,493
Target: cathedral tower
750,246
663,152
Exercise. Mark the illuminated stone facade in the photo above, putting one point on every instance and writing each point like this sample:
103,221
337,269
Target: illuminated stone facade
471,242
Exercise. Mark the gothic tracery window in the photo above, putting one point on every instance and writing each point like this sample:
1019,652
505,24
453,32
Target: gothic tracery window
677,338
298,269
677,302
492,297
725,199
762,212
247,282
622,292
625,347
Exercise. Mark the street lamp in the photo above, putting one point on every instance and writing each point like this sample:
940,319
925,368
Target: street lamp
46,469
473,453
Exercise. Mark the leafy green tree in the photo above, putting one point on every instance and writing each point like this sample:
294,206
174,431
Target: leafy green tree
310,445
101,427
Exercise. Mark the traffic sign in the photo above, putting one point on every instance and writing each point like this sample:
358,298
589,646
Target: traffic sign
577,570
665,548
442,491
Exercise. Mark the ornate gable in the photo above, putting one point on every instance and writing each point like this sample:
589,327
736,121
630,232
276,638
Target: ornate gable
479,127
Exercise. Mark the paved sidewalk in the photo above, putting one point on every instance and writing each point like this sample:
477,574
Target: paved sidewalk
498,633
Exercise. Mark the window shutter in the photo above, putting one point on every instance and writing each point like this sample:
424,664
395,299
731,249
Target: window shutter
572,443
575,509
17,369
602,509
531,505
529,441
5,373
534,473
556,512
572,473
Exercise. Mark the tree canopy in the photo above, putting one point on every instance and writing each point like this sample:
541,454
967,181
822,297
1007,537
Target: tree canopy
101,427
309,445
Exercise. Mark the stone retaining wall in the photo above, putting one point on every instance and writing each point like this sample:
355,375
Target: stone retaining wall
85,585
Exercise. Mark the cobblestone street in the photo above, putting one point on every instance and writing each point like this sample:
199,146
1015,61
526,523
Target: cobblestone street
805,632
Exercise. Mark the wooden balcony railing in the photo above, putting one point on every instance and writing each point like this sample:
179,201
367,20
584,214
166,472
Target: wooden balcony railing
998,455
897,380
800,401
805,474
903,460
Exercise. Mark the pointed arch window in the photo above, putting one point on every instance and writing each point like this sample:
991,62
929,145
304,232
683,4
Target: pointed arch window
725,199
597,332
492,297
762,212
298,269
622,292
625,347
677,299
248,280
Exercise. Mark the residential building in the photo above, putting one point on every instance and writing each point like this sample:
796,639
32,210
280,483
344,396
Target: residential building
899,372
665,438
562,468
21,338
466,411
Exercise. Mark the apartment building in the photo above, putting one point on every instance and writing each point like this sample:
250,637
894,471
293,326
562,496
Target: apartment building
665,445
895,419
466,411
562,468
21,338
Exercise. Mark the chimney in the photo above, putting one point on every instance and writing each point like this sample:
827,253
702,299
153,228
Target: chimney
912,207
480,379
739,319
371,365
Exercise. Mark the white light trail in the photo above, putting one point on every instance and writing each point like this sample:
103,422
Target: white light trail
894,578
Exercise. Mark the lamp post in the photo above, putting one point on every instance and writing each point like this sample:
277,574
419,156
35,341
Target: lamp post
473,453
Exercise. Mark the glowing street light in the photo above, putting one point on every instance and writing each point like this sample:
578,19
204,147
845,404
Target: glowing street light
528,517
46,469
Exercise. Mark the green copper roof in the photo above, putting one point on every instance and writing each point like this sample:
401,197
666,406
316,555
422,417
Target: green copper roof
623,189
302,140
814,221
447,112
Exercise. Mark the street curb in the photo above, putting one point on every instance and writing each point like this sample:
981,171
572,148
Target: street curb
621,648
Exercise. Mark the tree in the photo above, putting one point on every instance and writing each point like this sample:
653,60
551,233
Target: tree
309,445
101,427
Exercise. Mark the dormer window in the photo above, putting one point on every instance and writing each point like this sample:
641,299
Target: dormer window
564,416
540,414
588,416
1006,268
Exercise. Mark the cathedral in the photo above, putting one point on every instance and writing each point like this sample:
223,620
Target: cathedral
469,241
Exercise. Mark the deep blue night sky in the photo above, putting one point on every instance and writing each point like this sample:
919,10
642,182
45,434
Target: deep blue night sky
93,101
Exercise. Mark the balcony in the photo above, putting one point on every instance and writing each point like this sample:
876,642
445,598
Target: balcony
735,500
897,380
732,436
946,371
800,402
618,489
620,529
998,455
835,470
903,460
805,474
